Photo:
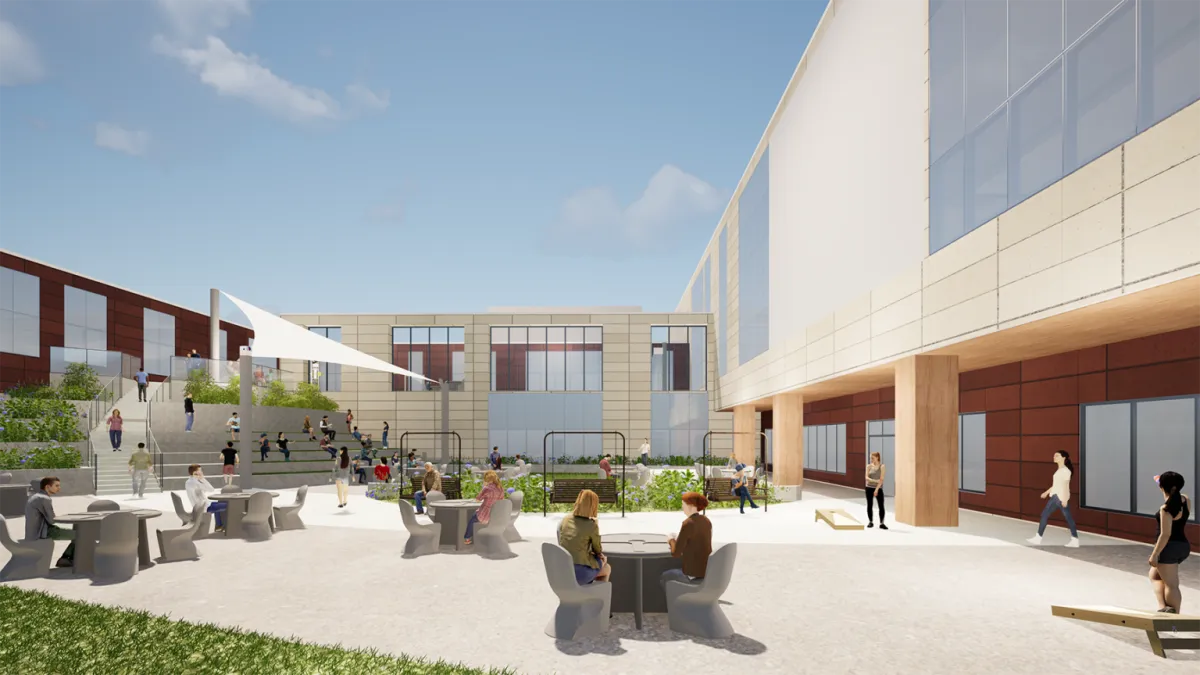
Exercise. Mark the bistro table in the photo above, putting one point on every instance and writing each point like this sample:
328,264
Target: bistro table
87,533
453,514
238,503
637,561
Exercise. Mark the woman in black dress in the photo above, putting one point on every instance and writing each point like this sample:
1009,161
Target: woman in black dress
1172,546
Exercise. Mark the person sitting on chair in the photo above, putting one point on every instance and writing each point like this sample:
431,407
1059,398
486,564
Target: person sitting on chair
39,519
741,488
694,543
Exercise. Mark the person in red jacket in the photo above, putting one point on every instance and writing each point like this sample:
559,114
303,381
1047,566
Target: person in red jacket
383,473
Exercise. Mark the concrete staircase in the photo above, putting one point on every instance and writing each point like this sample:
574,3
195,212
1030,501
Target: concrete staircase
113,467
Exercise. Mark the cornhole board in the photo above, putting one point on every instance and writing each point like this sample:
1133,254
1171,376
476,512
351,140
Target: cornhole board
837,519
1151,622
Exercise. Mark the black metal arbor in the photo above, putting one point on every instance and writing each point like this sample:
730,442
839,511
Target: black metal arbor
762,454
404,448
624,459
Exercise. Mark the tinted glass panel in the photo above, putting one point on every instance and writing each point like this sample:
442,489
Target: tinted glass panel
946,90
1035,137
754,264
986,55
1101,95
1170,59
722,302
1106,456
1166,441
946,193
987,171
1034,38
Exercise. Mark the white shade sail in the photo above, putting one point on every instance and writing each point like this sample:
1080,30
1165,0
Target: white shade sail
277,338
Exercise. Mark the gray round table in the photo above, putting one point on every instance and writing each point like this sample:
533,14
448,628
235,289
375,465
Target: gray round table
453,514
87,533
627,555
238,503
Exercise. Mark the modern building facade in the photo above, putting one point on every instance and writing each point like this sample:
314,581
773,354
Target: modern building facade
514,375
970,237
50,317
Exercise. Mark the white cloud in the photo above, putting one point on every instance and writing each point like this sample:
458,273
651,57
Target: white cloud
239,75
593,220
191,19
113,137
363,98
19,60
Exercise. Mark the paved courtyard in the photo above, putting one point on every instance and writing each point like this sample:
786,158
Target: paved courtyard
804,598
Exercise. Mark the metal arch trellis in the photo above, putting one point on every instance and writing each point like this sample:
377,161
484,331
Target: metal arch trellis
624,461
763,455
404,449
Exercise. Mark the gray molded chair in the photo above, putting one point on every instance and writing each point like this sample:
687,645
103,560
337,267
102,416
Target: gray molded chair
103,505
511,472
422,539
30,558
694,609
582,610
5,478
434,496
642,479
510,533
185,517
116,555
489,541
179,544
256,524
230,489
288,517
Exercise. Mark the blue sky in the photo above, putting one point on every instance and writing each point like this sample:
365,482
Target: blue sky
384,156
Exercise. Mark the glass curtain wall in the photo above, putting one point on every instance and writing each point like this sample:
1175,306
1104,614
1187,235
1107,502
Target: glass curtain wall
754,263
85,327
678,358
327,376
547,358
437,352
678,422
20,313
518,424
158,342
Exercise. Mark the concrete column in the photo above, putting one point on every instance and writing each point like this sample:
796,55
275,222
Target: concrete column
745,434
926,466
246,412
787,438
444,391
214,333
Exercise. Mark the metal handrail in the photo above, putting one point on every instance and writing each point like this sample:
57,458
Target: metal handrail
98,409
157,457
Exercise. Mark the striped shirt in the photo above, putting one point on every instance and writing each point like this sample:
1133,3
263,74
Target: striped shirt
490,494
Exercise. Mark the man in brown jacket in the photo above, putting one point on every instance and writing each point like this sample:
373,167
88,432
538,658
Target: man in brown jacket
694,543
432,482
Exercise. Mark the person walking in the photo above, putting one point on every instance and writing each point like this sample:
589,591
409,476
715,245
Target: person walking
143,380
341,475
644,452
189,412
349,420
386,429
139,468
229,462
115,425
694,543
282,444
741,488
876,473
1172,546
489,495
235,426
1059,496
307,428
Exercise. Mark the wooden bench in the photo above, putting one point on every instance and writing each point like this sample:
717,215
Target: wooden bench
721,489
450,486
566,490
1151,622
838,519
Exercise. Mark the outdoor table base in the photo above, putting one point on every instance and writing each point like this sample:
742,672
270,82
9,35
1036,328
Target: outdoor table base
637,568
87,534
453,514
237,505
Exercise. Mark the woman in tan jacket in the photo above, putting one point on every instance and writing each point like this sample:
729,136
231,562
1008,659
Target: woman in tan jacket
579,534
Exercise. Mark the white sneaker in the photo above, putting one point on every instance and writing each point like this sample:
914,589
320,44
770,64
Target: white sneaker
1074,543
1036,540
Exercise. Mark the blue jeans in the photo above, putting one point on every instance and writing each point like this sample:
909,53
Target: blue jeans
385,439
191,417
418,498
1055,503
218,508
114,437
471,525
744,493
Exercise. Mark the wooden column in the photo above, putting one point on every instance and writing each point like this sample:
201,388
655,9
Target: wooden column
926,466
787,439
744,443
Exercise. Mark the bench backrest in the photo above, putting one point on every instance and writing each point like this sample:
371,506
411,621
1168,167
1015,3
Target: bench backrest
450,486
721,489
566,490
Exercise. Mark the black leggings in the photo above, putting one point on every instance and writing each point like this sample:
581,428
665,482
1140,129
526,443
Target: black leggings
879,498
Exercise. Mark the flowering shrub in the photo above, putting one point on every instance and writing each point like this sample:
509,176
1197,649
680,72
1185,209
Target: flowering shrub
50,457
24,420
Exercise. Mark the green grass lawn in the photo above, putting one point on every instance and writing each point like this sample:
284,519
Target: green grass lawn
44,634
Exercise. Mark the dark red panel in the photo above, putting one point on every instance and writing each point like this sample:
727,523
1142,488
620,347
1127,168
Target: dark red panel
867,397
1042,448
1093,387
1004,447
1047,393
1004,423
1004,498
1003,473
972,401
1093,360
887,410
887,394
996,376
866,413
1057,365
1037,475
1162,379
1174,346
1040,421
1003,398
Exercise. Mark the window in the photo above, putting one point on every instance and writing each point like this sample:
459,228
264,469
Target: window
223,351
701,296
518,423
972,452
825,448
85,319
1124,445
881,438
722,302
437,352
547,358
678,423
20,313
327,376
1071,79
754,263
158,341
678,358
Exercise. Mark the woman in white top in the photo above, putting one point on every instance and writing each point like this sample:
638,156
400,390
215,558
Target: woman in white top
1060,495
